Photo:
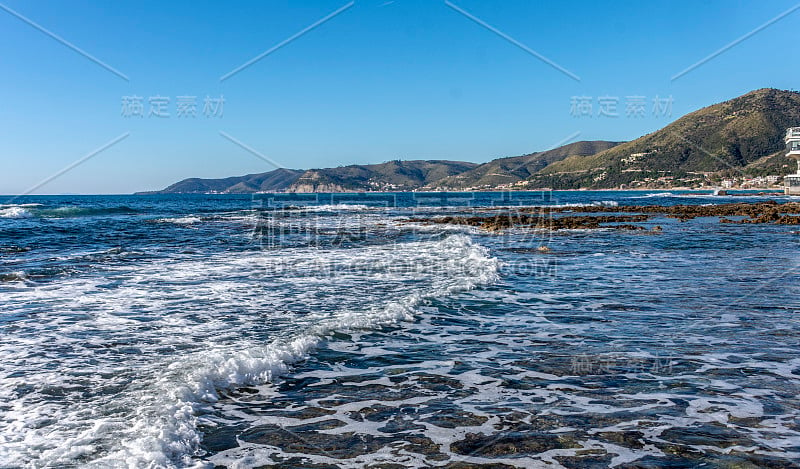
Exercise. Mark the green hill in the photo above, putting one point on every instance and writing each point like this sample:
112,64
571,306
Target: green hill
742,136
390,176
277,180
516,168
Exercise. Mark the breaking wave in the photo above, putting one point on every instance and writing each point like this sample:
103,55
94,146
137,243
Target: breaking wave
145,414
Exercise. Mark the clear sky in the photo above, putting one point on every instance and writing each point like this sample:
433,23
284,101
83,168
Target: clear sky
380,80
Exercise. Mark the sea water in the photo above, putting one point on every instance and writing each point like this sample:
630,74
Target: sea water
338,330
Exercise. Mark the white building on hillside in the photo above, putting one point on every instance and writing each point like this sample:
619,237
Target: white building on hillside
792,181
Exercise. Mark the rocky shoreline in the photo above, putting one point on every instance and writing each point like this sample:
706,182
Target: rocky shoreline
621,217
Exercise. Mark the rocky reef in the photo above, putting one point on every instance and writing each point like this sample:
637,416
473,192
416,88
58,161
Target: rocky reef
620,217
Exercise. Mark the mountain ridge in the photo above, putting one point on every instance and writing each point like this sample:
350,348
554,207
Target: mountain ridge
515,168
740,136
712,142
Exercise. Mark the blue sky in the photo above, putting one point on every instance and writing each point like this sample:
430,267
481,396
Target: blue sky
382,80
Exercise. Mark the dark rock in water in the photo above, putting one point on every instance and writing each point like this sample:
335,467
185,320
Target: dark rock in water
296,462
217,440
342,446
321,425
586,458
504,221
763,212
423,445
708,434
628,227
788,220
658,462
467,465
305,413
511,443
550,218
399,424
13,277
629,438
437,382
454,418
375,413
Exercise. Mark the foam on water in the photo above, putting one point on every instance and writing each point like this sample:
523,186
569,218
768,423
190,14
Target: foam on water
596,203
81,211
15,211
561,375
488,389
180,220
652,195
339,207
145,344
124,364
69,211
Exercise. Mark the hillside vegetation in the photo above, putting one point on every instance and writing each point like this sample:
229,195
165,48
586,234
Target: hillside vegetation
741,136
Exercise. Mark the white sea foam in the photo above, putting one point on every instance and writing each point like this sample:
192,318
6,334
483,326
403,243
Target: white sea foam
596,203
180,220
20,205
330,208
178,356
606,203
652,195
15,211
339,208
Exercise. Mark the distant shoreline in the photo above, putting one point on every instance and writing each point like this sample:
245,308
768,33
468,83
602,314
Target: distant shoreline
770,191
766,191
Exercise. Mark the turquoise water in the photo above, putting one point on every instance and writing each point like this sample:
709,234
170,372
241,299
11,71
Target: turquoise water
331,330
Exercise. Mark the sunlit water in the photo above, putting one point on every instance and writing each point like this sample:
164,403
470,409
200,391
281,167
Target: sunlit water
334,331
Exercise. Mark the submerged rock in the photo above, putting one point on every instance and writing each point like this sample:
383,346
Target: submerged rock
510,443
622,217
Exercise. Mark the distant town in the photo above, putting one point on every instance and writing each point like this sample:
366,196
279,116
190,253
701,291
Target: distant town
694,181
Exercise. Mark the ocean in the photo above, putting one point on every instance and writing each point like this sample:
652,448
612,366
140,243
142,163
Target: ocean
336,331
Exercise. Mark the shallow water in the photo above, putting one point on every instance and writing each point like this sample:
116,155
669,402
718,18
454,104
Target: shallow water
329,331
